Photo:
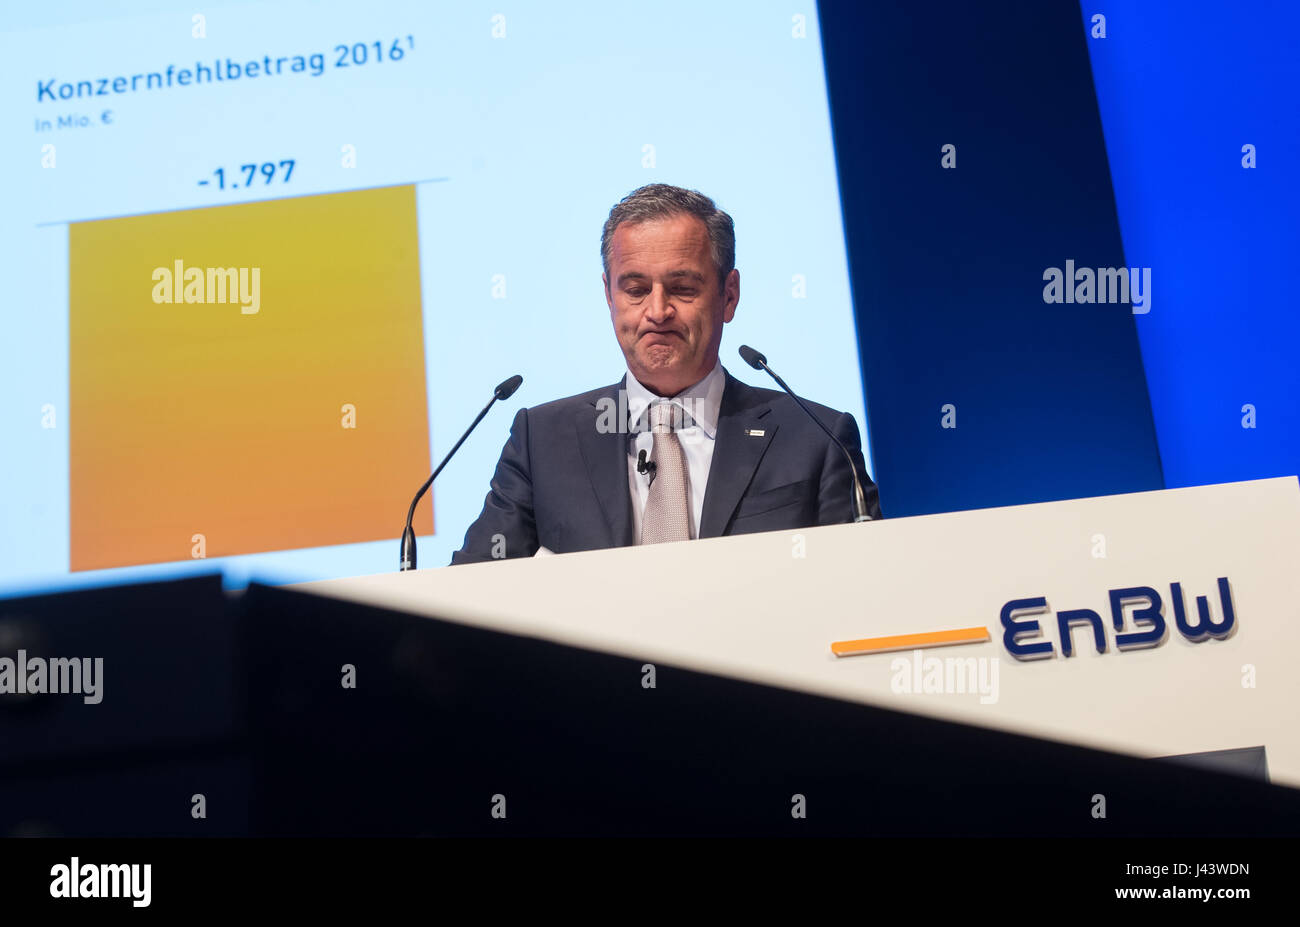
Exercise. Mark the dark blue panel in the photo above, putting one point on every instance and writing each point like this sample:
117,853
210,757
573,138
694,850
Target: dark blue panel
947,265
1183,87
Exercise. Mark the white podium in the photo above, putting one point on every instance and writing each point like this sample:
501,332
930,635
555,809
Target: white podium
767,608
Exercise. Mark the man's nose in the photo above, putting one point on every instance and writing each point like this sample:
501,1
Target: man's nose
659,305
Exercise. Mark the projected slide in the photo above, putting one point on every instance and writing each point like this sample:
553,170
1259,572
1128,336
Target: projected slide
267,261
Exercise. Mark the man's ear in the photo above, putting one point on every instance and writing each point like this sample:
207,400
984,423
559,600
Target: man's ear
609,299
731,295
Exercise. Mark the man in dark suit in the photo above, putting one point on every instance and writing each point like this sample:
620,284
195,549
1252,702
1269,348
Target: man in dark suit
677,449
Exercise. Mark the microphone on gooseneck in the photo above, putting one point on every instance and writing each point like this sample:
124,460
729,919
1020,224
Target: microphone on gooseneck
503,391
759,362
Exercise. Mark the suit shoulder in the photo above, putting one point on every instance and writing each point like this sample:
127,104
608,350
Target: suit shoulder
752,396
570,404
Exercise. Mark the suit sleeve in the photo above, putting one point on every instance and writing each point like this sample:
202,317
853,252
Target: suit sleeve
835,499
507,526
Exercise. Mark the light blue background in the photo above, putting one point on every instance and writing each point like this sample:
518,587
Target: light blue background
537,135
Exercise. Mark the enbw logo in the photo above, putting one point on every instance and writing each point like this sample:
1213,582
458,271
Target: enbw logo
1019,629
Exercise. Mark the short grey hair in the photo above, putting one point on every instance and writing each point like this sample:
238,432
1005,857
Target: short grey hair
662,201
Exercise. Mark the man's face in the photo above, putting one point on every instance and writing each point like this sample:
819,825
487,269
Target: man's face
666,302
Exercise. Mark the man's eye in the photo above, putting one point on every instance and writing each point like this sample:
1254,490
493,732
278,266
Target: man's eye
636,293
688,292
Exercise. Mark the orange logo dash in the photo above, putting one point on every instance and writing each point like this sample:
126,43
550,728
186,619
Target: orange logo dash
910,641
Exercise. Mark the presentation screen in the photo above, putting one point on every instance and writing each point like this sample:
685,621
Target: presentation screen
265,262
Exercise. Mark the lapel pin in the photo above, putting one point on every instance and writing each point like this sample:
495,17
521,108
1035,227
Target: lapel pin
755,432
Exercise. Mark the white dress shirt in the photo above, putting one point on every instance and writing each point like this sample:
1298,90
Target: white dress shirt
700,405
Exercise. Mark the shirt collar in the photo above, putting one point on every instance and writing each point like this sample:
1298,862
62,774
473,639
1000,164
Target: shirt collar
702,402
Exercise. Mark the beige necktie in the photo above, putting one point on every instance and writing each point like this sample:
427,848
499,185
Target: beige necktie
667,516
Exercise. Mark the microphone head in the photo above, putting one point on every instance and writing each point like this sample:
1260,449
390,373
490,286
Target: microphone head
507,389
752,357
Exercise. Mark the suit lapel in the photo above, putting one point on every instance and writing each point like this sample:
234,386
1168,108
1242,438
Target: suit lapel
736,454
604,451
